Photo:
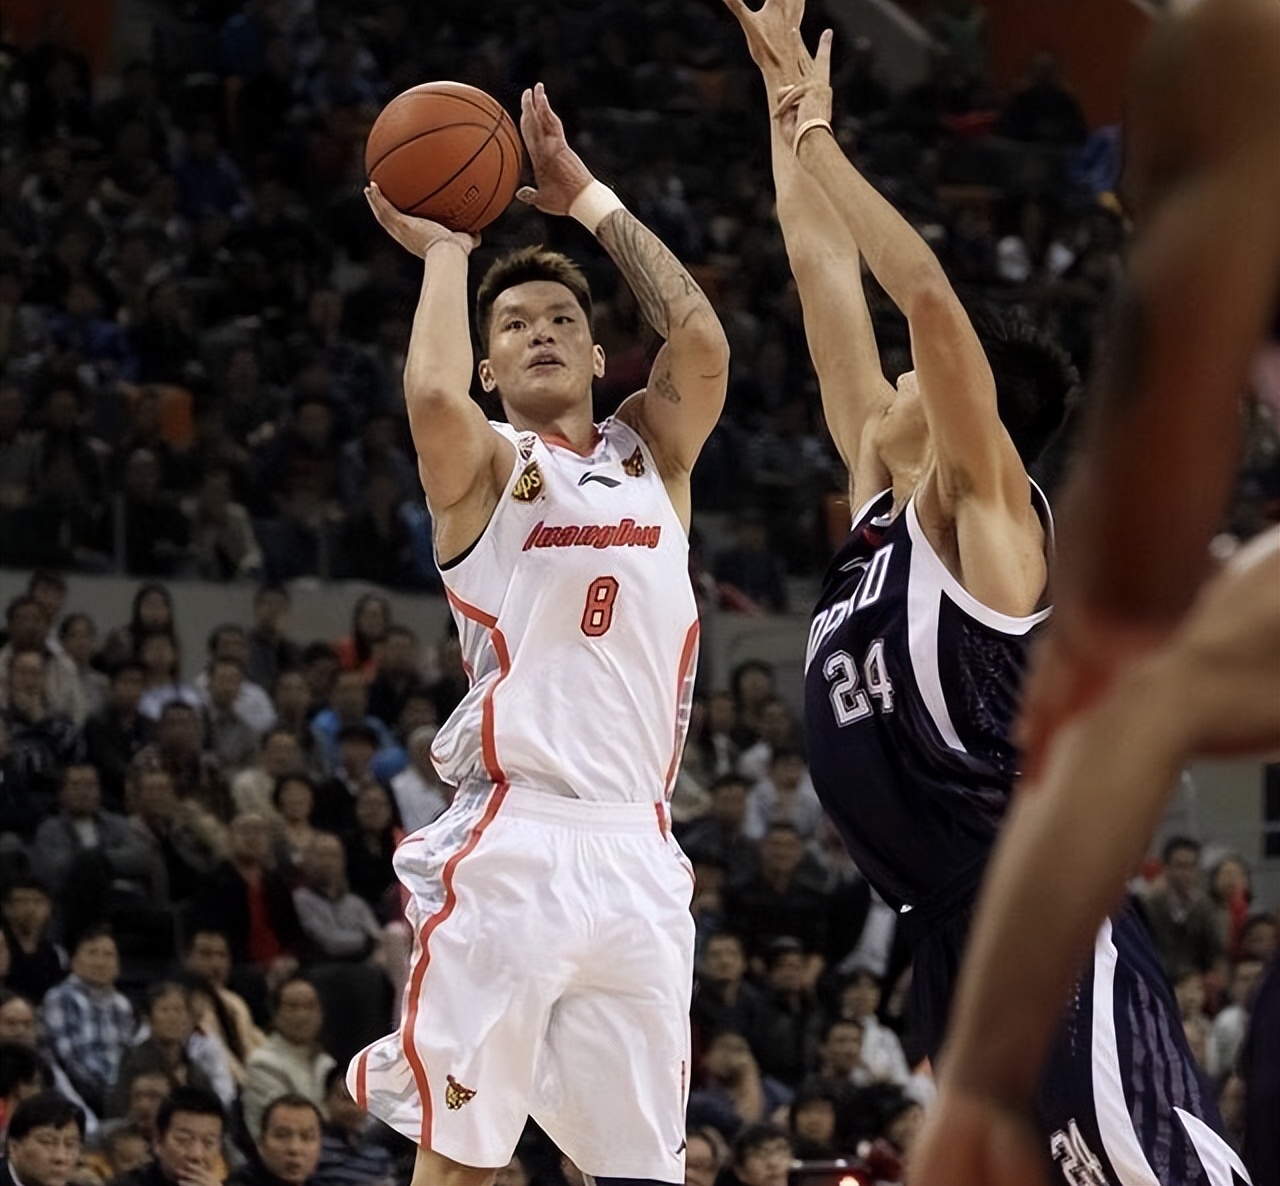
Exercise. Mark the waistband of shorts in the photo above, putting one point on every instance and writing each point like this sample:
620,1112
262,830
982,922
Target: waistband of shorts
587,814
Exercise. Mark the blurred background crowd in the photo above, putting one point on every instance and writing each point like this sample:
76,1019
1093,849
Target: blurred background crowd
201,337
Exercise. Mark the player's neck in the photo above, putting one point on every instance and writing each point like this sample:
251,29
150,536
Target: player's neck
574,428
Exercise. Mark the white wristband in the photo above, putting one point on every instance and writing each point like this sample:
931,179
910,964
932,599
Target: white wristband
593,204
808,126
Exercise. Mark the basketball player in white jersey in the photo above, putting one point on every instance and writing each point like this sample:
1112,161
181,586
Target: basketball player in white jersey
1132,683
553,949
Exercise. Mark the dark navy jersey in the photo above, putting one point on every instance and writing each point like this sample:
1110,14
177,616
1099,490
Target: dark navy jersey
911,688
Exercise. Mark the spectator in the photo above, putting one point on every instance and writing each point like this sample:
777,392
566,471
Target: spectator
28,624
158,654
725,1002
751,570
179,750
36,963
347,1155
252,704
294,800
399,673
118,732
187,1146
207,956
719,835
785,793
1226,1035
1043,111
122,1149
1180,913
287,1148
145,1092
371,844
421,796
41,743
361,650
90,1023
762,1156
1231,889
752,684
251,904
18,1028
163,1044
291,1059
253,789
813,1125
775,728
336,797
714,750
186,842
224,546
734,1092
78,637
777,902
1258,939
152,613
882,1059
157,534
233,743
706,1154
350,706
45,1135
271,651
339,924
22,1074
787,1037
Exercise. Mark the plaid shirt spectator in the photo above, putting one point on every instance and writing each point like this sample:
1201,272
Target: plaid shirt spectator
89,1029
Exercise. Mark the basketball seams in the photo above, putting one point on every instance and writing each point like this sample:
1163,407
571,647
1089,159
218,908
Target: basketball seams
471,160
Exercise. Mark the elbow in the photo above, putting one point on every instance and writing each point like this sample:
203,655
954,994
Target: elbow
929,297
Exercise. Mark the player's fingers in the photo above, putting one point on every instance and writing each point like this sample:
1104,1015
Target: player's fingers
822,59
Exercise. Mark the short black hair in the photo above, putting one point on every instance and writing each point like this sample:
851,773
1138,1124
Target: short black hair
196,1101
64,627
89,934
124,667
521,266
1176,842
292,776
358,732
20,602
20,1064
47,576
277,993
1037,384
756,1136
215,635
336,1073
45,1109
836,1022
24,881
290,1099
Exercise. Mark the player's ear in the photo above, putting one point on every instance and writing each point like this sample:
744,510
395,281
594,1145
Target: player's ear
597,361
485,371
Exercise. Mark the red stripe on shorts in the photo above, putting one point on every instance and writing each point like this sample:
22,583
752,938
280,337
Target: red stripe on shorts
362,1067
488,743
424,958
686,662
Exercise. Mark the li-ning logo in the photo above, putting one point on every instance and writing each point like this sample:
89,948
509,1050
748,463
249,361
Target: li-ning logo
469,195
603,479
633,466
455,1095
626,534
529,485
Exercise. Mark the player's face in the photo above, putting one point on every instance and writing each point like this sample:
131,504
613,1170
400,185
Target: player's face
541,356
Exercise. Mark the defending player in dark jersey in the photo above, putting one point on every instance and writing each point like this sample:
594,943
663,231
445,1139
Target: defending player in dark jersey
919,640
1121,702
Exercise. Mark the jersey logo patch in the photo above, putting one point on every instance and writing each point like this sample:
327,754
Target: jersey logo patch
603,479
455,1095
524,445
633,466
529,485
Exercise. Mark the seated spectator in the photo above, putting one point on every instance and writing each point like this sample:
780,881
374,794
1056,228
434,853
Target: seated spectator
28,625
233,743
36,963
157,535
293,700
421,796
179,750
151,613
162,1044
251,904
145,1092
88,1022
399,673
187,1146
223,544
185,841
1042,110
1180,913
158,654
271,651
813,1125
882,1058
336,797
119,1149
778,901
785,793
787,1037
1230,887
23,1073
41,743
252,703
417,710
18,1029
361,650
733,1092
1226,1035
207,956
719,835
706,1154
78,637
287,1145
338,924
775,727
46,1132
347,1156
253,789
294,800
725,1001
762,1156
712,750
291,1060
349,705
115,734
371,844
1258,937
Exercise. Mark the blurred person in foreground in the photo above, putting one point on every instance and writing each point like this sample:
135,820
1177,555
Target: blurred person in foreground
1144,668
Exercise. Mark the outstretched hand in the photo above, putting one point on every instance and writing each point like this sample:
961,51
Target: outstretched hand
773,37
558,172
417,235
797,103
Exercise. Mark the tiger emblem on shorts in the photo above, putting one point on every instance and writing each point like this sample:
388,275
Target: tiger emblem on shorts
455,1095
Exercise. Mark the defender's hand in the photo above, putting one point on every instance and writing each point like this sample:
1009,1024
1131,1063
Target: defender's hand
796,104
773,37
558,171
972,1140
415,235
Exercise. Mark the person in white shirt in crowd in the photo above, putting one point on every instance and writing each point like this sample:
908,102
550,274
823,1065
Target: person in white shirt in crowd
252,704
420,793
78,638
785,793
882,1059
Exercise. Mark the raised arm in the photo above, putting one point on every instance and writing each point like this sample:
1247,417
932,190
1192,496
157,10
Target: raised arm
682,401
462,462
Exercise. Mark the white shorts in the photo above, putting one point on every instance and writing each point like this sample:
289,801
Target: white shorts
551,974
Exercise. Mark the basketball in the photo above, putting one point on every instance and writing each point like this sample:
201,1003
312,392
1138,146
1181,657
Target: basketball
445,151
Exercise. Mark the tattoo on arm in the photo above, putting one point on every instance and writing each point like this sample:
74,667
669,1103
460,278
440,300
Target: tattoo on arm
664,290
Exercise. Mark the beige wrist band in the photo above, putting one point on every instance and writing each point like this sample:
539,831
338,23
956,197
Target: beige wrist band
593,204
808,126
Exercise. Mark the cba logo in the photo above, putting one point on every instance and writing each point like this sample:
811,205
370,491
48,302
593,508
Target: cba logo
633,466
455,1095
529,485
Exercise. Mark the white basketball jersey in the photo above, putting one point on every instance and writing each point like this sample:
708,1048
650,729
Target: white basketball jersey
578,627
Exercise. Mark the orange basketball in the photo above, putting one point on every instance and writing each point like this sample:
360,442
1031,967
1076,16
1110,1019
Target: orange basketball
445,151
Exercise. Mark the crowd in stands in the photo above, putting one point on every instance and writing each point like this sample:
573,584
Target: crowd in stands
201,339
199,903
